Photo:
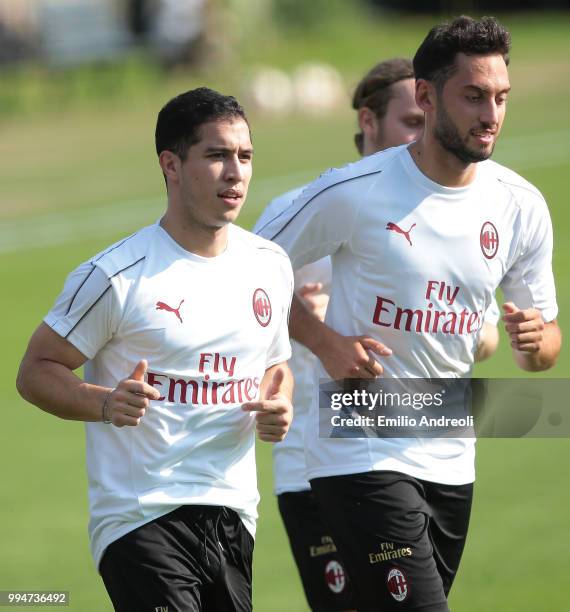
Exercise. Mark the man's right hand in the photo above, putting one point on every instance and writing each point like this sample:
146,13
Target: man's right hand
341,356
351,356
127,403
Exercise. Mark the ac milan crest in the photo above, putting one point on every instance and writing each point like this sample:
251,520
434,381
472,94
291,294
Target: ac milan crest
335,576
397,584
261,307
489,239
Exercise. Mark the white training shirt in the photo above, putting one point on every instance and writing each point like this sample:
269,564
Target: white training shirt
209,328
416,265
289,466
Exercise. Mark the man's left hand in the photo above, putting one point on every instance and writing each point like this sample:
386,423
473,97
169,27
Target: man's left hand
525,328
274,414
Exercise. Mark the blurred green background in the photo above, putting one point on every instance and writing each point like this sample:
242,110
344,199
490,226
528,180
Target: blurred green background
79,171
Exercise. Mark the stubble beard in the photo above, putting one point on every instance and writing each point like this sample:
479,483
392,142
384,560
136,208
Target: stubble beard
448,136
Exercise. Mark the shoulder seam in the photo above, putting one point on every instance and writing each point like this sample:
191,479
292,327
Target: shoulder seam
352,178
536,193
277,252
127,267
115,247
93,267
87,311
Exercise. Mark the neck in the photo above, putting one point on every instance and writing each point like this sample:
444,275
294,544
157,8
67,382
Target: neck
195,238
439,164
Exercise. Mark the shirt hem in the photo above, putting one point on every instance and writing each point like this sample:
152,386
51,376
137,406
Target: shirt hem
292,488
392,466
104,542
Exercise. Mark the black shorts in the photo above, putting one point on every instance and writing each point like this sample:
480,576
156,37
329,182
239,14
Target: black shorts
401,538
194,558
325,581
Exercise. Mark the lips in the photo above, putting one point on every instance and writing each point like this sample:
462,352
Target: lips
231,194
484,136
231,197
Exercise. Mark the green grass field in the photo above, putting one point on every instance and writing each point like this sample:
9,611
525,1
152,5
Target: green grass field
73,182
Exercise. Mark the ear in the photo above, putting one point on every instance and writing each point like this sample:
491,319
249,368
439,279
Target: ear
425,95
367,121
170,164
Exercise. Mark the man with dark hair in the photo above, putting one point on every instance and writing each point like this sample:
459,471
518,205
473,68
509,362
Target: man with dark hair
182,328
190,110
420,237
387,116
435,58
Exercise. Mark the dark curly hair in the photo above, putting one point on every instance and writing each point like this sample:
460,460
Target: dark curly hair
435,59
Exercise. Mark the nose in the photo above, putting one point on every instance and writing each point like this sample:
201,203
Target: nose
490,113
233,170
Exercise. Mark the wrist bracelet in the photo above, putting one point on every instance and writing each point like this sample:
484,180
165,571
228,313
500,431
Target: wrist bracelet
105,408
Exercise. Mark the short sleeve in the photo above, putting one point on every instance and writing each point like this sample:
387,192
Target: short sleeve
317,224
276,207
86,313
529,282
280,349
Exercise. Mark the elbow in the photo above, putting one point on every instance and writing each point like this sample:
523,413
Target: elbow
535,367
22,384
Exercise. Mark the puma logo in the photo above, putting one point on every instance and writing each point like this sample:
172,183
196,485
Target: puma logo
176,311
394,228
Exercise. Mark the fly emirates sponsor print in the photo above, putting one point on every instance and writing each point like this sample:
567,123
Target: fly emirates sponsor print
204,352
203,390
432,281
440,314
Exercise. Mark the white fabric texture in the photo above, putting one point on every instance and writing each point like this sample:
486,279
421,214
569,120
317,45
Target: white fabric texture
209,328
416,265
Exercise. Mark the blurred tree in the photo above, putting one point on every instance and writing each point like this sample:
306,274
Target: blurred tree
15,47
301,14
458,7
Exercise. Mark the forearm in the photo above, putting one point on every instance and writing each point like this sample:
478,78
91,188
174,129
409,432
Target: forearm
546,356
307,329
54,388
341,356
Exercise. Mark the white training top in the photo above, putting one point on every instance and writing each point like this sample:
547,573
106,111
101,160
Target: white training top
416,265
289,466
209,328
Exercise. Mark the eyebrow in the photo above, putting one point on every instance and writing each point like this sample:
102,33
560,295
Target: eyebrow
486,90
222,149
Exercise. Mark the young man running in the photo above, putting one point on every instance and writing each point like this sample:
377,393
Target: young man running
182,328
387,116
420,238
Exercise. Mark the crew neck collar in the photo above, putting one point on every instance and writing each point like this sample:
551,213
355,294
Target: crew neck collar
184,254
429,185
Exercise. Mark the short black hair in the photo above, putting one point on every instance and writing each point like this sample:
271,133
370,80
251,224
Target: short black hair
435,59
179,120
374,90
